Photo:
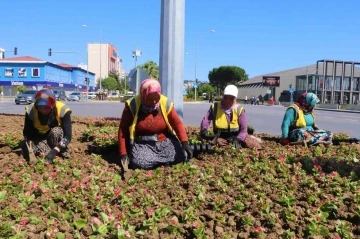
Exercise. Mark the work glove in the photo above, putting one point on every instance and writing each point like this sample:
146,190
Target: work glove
204,133
285,142
236,143
188,150
51,156
125,162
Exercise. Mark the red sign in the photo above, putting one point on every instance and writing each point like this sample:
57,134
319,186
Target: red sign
271,81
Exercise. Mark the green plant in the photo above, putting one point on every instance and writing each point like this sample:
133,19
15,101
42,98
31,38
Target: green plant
250,130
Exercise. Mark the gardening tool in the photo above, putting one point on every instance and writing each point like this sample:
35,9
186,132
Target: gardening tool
350,140
202,148
32,157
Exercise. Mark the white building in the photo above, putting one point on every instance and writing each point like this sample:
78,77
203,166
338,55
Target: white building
103,58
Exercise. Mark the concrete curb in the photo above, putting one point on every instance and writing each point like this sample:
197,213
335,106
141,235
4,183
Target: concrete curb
340,111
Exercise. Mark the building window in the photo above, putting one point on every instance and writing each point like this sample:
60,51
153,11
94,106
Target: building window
356,82
346,83
319,82
22,72
9,72
328,83
355,99
35,72
337,96
337,83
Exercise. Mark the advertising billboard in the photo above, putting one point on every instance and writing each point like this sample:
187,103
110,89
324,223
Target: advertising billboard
271,81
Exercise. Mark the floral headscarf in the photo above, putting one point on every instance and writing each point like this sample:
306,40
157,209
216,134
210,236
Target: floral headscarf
307,102
147,87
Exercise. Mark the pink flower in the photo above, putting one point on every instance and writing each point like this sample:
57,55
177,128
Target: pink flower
318,167
34,185
116,192
259,229
149,174
27,193
195,224
7,171
72,190
96,221
127,234
24,221
150,212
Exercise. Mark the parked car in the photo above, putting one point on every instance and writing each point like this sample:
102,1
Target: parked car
114,95
26,97
75,96
91,95
60,95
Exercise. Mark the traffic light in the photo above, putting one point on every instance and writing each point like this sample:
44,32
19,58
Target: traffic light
49,51
290,86
87,80
15,51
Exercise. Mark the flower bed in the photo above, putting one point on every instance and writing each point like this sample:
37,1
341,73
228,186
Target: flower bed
280,192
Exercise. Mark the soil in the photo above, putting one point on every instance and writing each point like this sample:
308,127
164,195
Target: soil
269,193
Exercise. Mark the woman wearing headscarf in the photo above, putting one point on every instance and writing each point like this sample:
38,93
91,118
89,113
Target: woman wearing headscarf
299,123
151,133
47,127
229,122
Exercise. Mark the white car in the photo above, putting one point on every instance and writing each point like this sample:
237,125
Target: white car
75,96
91,95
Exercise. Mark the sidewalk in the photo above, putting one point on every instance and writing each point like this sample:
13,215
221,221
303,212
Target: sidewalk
336,110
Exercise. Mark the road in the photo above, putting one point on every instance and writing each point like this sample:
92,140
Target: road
265,119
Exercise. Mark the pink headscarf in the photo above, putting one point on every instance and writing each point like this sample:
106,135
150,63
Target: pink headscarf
149,86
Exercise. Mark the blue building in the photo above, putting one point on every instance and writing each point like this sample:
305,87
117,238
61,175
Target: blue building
35,73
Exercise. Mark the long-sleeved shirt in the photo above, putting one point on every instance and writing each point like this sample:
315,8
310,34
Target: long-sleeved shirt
149,124
206,121
31,133
289,119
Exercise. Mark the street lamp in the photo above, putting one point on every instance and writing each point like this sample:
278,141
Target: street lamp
196,54
135,55
100,30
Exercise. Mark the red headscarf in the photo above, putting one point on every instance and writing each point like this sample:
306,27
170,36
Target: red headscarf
149,86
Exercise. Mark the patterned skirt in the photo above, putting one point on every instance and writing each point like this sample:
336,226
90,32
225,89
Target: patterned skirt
43,146
311,137
150,155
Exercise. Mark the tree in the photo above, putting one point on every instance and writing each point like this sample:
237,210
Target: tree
225,75
21,88
206,88
151,68
110,83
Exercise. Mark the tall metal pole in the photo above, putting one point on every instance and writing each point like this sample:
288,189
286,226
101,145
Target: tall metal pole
100,56
196,55
124,79
172,31
307,80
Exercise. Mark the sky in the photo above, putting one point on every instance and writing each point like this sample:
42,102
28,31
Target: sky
261,36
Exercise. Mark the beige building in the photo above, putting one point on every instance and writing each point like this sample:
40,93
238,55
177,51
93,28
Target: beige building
103,58
332,81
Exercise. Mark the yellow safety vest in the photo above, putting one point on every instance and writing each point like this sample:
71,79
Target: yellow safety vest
299,117
220,121
61,110
134,104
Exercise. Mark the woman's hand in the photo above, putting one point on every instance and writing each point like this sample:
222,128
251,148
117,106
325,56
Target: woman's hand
222,142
